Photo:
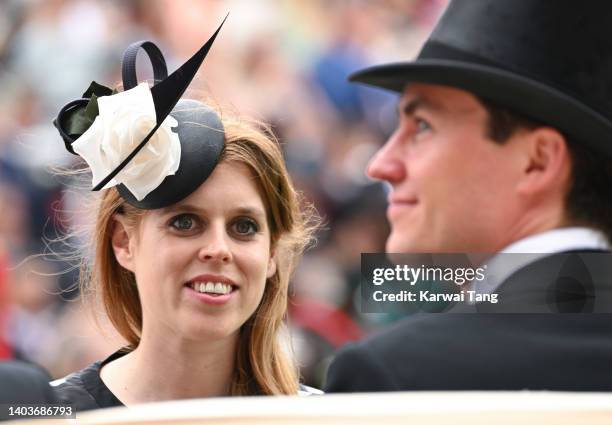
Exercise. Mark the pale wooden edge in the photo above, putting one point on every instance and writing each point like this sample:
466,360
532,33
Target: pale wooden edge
457,408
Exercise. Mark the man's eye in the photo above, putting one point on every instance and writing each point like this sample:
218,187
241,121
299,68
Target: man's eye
422,125
183,222
245,227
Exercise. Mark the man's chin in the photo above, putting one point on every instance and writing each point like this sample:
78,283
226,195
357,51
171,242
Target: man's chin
400,244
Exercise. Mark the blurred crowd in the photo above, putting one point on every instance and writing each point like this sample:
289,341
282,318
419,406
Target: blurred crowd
282,61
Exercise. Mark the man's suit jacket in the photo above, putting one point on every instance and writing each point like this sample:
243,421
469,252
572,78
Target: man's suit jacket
497,351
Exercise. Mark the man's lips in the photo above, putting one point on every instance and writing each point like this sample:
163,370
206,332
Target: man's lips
402,201
398,205
399,201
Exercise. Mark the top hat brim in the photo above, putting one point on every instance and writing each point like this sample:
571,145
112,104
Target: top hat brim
518,93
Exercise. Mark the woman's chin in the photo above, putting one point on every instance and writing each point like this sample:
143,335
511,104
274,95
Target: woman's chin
209,331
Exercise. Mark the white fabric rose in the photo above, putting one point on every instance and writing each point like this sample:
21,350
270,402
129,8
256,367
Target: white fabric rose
123,122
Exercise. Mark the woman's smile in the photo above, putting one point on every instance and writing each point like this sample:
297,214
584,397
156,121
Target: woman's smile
211,289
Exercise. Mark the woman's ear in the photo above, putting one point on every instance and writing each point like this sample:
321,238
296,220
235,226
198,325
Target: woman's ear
271,265
121,241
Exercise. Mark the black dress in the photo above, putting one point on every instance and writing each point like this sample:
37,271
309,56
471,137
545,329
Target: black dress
84,389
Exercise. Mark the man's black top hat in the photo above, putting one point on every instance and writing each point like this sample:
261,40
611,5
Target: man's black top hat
548,60
200,130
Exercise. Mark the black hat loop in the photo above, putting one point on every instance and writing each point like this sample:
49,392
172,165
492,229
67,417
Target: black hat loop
60,125
192,132
128,66
166,94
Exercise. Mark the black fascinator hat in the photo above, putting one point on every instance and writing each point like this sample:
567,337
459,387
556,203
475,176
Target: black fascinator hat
156,147
549,60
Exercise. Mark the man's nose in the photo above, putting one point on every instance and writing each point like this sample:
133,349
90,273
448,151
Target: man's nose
388,163
215,246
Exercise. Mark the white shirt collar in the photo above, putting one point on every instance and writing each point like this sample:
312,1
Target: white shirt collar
535,247
559,240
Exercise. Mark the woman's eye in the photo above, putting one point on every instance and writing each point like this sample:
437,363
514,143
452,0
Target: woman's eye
245,227
183,222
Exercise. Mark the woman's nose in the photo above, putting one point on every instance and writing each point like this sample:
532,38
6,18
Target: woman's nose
215,246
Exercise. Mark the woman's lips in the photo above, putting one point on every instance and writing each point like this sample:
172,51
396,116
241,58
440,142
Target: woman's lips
211,298
211,288
209,277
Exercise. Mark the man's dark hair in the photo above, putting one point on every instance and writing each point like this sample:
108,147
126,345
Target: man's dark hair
589,199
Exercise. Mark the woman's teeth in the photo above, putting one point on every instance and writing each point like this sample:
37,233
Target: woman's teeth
211,287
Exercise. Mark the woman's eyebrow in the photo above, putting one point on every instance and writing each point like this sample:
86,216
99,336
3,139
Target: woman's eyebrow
243,210
248,210
181,207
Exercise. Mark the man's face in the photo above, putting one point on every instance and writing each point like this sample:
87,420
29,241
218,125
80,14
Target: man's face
453,188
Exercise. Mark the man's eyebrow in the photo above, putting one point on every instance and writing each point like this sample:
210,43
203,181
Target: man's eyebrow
408,107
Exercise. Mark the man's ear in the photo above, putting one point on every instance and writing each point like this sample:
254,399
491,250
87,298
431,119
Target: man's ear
547,165
121,240
271,264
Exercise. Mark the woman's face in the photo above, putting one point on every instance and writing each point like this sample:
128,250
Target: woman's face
201,264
